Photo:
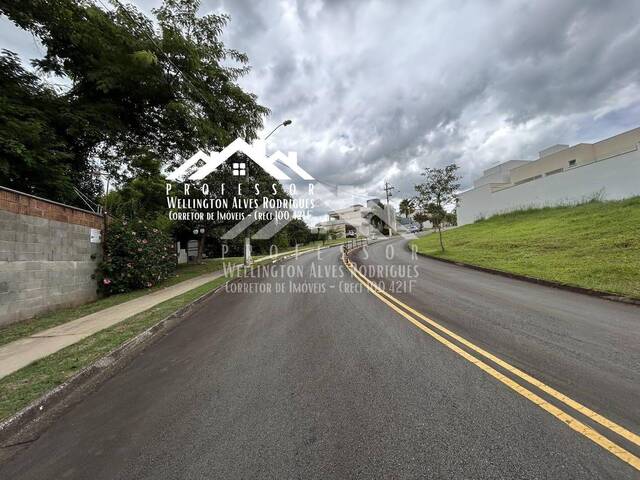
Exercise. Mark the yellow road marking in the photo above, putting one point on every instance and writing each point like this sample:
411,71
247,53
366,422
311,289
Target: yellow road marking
587,412
572,422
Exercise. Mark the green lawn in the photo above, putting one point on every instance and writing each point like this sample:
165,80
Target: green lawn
594,245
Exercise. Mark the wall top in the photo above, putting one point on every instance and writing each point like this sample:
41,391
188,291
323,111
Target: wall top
26,204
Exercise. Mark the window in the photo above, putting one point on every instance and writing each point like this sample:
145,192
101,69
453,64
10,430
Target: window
572,163
239,169
530,179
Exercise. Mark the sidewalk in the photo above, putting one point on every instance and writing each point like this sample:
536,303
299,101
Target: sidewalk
19,354
22,352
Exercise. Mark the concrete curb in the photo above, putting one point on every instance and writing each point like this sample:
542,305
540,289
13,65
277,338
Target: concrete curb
27,424
547,283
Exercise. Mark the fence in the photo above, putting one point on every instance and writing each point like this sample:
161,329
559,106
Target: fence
48,255
352,243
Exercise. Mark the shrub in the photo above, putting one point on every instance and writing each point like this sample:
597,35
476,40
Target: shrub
137,255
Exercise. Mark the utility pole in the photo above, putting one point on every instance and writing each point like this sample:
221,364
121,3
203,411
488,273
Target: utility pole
388,188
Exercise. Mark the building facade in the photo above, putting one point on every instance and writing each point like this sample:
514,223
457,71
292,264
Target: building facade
363,220
563,174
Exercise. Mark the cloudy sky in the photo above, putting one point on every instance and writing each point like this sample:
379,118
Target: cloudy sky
379,90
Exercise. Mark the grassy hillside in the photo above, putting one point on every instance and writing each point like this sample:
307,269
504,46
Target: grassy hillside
594,245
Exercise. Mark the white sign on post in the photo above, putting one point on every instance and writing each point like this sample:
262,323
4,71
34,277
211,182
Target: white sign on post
95,236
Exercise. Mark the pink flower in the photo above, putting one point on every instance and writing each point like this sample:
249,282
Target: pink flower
145,241
106,281
129,265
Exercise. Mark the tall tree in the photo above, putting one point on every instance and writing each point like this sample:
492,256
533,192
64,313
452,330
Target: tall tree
142,95
437,192
406,207
35,153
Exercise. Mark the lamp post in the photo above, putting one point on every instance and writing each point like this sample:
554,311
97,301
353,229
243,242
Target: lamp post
283,124
200,231
247,238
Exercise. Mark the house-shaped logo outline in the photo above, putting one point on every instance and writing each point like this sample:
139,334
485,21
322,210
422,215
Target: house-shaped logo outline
256,152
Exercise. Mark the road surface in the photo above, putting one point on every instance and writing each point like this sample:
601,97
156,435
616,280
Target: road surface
327,381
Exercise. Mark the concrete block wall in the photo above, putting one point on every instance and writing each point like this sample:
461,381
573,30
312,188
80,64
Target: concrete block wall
47,259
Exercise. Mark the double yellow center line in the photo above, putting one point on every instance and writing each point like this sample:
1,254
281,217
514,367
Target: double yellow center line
410,314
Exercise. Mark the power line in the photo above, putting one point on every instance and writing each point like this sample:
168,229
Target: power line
87,201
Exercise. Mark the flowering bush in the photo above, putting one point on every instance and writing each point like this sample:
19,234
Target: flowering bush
137,255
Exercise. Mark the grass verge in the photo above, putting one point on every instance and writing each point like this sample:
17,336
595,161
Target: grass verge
22,387
594,245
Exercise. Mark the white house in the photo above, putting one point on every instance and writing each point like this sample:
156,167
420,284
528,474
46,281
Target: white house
609,170
363,220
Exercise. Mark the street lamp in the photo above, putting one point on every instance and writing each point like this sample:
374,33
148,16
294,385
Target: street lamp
283,124
200,231
247,238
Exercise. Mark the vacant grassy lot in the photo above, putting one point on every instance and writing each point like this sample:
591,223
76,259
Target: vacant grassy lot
594,245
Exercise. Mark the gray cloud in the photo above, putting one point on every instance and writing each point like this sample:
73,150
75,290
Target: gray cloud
379,90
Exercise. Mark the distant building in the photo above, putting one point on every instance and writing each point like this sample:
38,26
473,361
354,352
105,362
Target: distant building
608,170
375,217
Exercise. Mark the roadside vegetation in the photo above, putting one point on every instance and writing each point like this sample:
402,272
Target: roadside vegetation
595,245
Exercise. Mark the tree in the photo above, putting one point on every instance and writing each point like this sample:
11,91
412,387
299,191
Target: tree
35,153
141,96
422,217
406,207
298,232
141,197
437,192
451,218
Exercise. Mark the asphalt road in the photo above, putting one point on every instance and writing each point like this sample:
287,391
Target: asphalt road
586,347
329,382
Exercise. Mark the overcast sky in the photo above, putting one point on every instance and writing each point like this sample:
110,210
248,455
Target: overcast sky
379,90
